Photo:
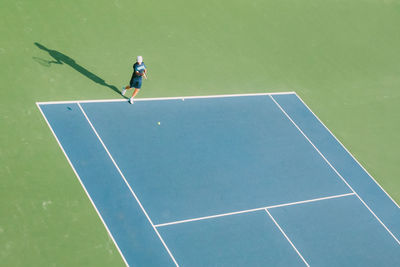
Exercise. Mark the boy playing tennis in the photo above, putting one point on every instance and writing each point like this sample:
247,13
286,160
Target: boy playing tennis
139,71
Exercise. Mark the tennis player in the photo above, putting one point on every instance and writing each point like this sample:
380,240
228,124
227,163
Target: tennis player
139,71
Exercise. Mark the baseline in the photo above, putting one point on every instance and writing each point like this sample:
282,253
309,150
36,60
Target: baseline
162,98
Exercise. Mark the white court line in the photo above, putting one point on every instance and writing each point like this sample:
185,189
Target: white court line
160,98
347,150
333,168
287,238
252,210
84,188
213,96
126,182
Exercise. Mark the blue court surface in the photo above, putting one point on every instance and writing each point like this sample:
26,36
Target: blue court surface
239,180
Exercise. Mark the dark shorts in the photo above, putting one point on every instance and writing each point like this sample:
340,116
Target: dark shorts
136,83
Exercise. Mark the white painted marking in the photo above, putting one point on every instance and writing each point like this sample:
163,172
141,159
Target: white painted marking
287,238
127,184
347,150
333,168
161,98
83,186
252,210
82,101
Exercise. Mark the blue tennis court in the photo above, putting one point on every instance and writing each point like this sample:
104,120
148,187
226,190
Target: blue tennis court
238,180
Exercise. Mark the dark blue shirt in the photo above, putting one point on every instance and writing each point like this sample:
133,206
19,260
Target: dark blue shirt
138,68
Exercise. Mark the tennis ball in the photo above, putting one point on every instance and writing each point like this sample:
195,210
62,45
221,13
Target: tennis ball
158,123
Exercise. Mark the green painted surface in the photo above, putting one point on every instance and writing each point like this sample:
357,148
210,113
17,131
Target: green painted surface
342,57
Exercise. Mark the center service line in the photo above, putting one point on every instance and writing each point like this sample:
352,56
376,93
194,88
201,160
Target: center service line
287,238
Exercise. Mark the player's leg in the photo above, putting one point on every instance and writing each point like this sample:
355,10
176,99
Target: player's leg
135,92
137,84
124,89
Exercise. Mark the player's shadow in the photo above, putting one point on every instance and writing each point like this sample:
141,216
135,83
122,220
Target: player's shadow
60,58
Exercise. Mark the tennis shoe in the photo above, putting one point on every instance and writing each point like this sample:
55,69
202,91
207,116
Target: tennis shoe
131,100
123,91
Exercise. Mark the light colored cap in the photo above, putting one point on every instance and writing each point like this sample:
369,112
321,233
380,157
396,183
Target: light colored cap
140,59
